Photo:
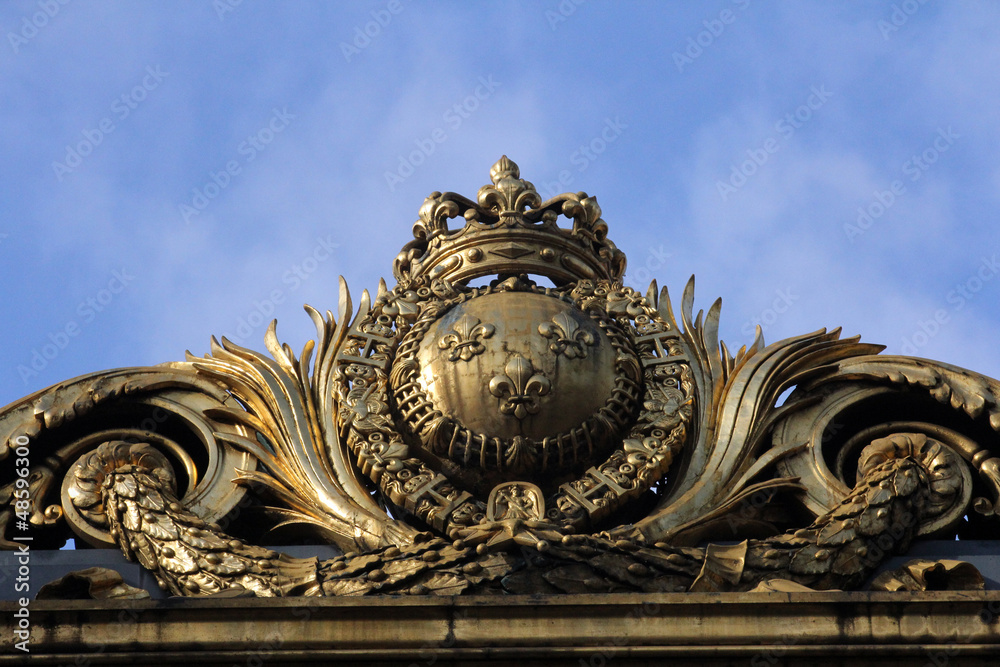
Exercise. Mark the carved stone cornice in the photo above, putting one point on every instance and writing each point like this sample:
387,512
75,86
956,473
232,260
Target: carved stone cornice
833,628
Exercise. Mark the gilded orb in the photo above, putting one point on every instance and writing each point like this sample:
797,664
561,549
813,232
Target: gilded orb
517,364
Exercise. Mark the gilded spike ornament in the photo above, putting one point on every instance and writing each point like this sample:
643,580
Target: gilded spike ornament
513,438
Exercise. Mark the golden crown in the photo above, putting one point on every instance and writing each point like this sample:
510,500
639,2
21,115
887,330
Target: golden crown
509,232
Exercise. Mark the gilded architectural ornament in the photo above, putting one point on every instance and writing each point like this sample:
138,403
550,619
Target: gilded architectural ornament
572,435
519,388
567,336
466,341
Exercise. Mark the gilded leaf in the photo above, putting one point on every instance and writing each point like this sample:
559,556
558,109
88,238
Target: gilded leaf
204,540
160,527
222,563
131,519
144,552
125,486
180,561
445,583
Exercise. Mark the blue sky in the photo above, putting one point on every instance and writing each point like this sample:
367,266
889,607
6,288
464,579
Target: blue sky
816,164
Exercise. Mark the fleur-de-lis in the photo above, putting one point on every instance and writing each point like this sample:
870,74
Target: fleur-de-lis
647,454
466,342
377,455
520,388
405,305
569,338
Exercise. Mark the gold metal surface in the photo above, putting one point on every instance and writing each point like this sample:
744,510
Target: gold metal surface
516,385
513,438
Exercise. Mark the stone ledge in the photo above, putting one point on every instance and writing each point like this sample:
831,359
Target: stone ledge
825,628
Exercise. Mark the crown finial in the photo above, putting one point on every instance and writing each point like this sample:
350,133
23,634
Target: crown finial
509,195
504,167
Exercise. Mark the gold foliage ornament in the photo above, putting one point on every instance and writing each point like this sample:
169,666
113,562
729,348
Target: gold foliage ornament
512,437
